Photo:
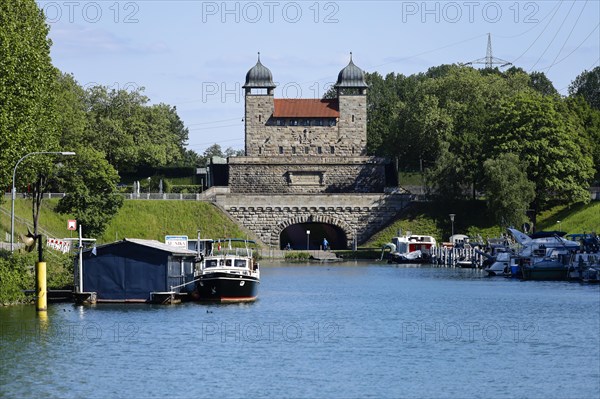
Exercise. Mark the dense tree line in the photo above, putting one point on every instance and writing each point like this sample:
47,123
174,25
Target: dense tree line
508,136
473,132
45,110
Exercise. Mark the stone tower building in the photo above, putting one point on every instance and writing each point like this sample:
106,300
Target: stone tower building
305,175
302,146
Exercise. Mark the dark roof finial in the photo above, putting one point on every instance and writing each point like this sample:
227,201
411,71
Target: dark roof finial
259,76
351,76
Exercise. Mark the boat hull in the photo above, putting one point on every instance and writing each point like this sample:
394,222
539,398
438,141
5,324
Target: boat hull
545,273
226,287
423,258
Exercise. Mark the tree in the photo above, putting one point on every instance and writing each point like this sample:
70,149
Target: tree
587,85
71,110
89,182
422,127
507,189
539,130
466,96
589,118
213,151
130,133
540,82
231,152
27,82
445,180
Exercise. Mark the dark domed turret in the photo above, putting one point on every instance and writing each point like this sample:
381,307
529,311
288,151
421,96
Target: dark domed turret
259,77
351,77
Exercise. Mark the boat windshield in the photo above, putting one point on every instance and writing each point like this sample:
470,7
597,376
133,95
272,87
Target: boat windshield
211,263
240,263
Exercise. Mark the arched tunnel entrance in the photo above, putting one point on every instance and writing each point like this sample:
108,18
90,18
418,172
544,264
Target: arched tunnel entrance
297,237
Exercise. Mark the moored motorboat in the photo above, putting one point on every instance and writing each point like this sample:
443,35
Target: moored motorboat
228,274
544,255
410,248
553,267
500,265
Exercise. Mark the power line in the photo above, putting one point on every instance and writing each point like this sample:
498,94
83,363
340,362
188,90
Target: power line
554,37
535,25
212,142
543,30
212,127
211,122
578,46
568,36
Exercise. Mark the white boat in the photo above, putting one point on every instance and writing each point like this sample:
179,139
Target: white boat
501,264
228,274
411,248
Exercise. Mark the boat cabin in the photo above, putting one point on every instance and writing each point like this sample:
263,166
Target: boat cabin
132,270
411,243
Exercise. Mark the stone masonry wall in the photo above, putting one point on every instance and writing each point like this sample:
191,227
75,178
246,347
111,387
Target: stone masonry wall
347,138
274,175
358,216
353,133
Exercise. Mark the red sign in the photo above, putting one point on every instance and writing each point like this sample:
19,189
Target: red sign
72,225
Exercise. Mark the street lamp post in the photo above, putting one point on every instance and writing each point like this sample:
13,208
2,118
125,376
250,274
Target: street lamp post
307,239
14,191
452,221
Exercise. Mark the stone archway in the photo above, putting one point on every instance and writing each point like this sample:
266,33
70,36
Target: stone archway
338,233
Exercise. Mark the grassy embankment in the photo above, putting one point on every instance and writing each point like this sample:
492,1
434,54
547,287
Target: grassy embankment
471,219
155,219
137,219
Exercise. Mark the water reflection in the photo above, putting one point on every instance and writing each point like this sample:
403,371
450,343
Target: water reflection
337,330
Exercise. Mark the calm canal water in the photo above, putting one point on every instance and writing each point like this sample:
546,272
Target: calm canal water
344,330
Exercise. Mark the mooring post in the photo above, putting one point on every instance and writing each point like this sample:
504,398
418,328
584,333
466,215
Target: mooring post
40,279
42,298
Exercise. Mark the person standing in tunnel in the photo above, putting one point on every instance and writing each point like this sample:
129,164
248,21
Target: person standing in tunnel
325,244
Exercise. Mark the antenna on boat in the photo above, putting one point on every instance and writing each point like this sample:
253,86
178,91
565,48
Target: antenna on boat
198,243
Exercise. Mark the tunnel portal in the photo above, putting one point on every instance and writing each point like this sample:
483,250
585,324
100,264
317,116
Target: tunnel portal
296,235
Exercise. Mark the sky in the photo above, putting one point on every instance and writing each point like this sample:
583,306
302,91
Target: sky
194,55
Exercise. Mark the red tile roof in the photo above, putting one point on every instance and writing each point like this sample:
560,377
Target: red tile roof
306,108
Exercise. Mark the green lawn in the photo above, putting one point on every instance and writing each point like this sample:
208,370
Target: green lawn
472,219
136,219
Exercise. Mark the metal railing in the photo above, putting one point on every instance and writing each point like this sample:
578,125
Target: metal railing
209,194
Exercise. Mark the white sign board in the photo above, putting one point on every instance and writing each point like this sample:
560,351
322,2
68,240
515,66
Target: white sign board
72,225
177,241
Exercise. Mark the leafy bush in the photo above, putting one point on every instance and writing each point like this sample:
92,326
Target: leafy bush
297,256
16,275
185,189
